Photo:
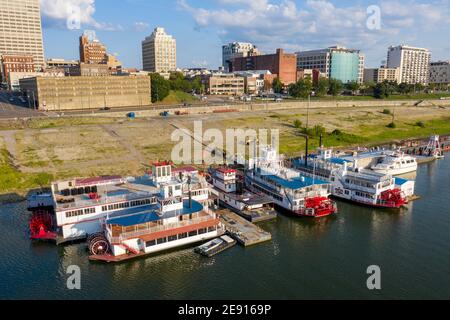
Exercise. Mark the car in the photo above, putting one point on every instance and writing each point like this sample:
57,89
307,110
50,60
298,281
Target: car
11,99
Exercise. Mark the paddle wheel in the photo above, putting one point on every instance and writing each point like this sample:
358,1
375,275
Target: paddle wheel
98,244
41,226
320,207
392,198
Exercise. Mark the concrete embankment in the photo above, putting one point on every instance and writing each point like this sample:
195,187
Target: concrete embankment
271,106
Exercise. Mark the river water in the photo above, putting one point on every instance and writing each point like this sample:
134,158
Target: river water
323,259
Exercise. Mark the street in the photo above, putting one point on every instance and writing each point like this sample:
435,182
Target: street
15,109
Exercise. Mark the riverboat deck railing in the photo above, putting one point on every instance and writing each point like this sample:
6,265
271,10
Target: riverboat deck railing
142,232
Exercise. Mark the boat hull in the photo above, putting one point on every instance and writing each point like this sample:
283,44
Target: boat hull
395,172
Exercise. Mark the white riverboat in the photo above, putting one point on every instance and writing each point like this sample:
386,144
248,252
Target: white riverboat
356,184
395,163
288,188
233,195
80,206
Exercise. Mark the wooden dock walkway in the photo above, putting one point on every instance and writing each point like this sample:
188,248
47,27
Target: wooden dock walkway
243,231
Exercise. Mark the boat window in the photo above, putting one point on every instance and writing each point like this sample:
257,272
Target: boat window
150,243
173,238
193,233
161,240
182,235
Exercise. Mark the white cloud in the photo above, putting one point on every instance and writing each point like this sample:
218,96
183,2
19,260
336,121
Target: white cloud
140,26
317,23
58,12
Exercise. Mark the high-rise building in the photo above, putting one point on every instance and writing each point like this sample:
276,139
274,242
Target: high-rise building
21,30
92,51
159,52
335,62
414,63
282,65
440,72
237,50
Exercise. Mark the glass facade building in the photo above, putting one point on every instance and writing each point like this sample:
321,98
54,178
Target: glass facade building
345,66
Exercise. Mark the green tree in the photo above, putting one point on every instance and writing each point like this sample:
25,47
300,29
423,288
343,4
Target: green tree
321,88
353,86
405,88
277,86
301,89
383,90
335,87
160,87
197,85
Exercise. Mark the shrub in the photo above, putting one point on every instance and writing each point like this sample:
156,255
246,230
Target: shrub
392,125
386,111
420,124
298,124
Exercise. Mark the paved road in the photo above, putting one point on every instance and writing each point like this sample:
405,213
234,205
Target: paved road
15,109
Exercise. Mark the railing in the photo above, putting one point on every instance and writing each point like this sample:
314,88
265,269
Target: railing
136,234
104,200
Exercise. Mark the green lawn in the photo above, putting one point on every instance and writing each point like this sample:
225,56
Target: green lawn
367,135
177,97
418,96
13,180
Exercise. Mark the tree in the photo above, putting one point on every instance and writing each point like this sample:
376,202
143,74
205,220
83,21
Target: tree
321,88
197,85
277,85
353,86
384,89
160,87
301,89
405,88
335,87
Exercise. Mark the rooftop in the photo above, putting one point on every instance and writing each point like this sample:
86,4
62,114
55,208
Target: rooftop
141,215
296,183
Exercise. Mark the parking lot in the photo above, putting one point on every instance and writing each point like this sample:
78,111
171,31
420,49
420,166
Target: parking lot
12,107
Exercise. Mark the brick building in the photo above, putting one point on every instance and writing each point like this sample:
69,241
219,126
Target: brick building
91,50
282,65
77,93
15,63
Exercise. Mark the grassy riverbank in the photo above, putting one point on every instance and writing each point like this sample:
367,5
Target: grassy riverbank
35,152
13,180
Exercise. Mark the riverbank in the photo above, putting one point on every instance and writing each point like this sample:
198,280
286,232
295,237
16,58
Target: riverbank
36,151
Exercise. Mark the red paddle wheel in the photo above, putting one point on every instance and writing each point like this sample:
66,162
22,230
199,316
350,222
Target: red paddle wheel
392,198
320,207
41,226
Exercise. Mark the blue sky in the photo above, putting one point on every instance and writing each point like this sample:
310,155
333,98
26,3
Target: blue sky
202,26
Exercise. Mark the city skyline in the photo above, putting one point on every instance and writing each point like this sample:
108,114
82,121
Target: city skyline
201,27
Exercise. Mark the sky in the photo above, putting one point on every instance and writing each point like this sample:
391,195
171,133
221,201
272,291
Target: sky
201,27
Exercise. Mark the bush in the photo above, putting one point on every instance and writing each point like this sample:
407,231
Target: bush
392,125
298,124
386,111
420,124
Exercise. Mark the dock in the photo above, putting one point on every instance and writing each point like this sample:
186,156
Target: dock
243,231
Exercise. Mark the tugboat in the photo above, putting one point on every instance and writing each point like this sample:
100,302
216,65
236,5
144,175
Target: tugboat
288,188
